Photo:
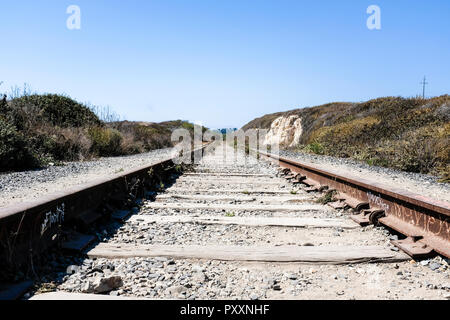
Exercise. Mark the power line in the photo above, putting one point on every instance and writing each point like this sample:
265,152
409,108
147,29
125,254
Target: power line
424,83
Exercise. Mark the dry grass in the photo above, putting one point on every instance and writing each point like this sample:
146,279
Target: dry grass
407,134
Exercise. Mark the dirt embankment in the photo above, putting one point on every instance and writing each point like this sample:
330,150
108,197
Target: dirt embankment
408,134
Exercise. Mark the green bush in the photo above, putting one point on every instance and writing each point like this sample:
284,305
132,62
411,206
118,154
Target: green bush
69,144
105,141
14,152
38,129
3,104
315,147
59,110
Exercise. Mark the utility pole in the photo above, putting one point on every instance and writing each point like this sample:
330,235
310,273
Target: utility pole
424,83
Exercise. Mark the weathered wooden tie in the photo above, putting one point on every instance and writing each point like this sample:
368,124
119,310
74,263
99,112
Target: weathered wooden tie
301,254
249,221
235,207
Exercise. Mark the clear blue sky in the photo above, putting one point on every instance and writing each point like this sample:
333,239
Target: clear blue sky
224,62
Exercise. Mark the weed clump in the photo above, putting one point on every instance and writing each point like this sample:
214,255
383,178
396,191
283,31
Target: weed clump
327,197
105,141
14,152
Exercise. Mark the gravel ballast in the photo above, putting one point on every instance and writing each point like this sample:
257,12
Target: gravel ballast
205,278
422,184
165,278
27,186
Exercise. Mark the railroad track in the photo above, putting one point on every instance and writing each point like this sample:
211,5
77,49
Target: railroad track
243,228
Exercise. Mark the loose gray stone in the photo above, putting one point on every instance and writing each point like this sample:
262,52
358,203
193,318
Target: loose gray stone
176,290
197,268
72,269
102,285
434,266
199,278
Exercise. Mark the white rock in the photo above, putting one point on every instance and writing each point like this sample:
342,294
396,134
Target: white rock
102,284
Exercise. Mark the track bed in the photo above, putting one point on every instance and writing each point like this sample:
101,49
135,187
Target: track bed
237,230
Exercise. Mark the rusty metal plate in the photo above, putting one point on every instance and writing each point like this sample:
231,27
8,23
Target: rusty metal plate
416,249
28,229
408,213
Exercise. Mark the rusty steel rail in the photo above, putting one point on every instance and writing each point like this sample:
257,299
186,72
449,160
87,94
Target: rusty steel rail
424,221
28,229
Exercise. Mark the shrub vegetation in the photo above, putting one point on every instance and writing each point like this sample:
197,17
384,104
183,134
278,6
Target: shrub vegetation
38,129
410,134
